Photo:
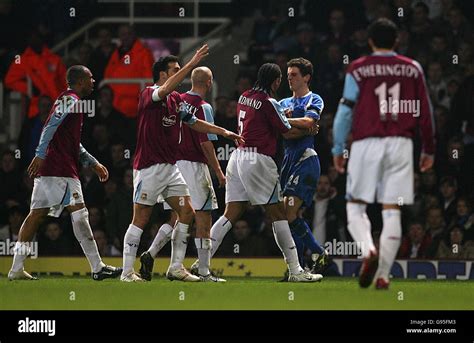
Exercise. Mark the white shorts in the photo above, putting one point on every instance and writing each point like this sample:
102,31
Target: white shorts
252,177
381,170
199,181
56,193
161,179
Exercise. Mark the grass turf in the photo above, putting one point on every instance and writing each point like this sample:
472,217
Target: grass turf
75,293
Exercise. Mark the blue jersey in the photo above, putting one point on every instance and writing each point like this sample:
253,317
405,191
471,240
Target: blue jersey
311,105
300,170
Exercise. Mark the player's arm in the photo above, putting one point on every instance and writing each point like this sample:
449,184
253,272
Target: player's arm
343,121
210,153
204,127
87,160
47,134
173,82
426,124
208,148
296,132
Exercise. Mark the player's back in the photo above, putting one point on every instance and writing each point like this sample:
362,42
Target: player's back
190,142
158,126
392,96
62,155
261,120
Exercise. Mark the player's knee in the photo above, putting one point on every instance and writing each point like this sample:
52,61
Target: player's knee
186,213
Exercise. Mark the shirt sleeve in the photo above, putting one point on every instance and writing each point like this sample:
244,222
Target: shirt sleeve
61,111
315,107
154,95
85,158
276,116
209,117
343,119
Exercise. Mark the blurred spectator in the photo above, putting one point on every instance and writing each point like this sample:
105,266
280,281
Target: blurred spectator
85,55
92,188
101,147
16,215
306,46
31,130
436,228
457,28
119,210
327,213
268,239
52,241
455,247
428,182
358,46
244,82
328,79
437,85
10,180
44,68
439,50
118,161
130,60
284,89
105,249
448,188
464,217
96,218
241,242
101,55
119,127
337,33
415,243
421,27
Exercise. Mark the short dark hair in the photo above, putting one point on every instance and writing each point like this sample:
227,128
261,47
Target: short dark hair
450,181
267,74
75,73
162,65
305,66
423,6
383,33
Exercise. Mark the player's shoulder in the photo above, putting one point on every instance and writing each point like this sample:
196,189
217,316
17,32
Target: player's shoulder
358,62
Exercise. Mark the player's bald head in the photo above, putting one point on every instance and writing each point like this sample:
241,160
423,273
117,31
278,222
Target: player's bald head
75,74
200,76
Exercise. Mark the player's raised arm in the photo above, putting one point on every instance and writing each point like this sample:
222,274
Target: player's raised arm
173,82
343,121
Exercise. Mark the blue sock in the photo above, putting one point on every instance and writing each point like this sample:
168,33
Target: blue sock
301,229
299,248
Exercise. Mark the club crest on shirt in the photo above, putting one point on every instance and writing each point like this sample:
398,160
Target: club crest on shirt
143,196
75,196
169,121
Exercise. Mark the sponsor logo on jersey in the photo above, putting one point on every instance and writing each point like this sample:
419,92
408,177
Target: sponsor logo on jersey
169,121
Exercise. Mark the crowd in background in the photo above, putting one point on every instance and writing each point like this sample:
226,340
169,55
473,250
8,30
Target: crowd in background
440,224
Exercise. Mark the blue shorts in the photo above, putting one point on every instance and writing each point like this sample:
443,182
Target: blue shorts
300,179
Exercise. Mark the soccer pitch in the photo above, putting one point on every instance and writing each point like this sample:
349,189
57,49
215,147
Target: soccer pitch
79,293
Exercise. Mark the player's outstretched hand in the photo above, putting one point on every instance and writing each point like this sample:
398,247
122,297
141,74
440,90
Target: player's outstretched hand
230,135
339,163
101,172
35,166
200,54
426,162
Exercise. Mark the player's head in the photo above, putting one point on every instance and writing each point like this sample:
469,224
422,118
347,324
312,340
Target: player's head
201,78
268,78
300,72
79,78
382,34
165,67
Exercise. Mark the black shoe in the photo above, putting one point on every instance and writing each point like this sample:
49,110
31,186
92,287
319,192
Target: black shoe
146,268
107,272
321,264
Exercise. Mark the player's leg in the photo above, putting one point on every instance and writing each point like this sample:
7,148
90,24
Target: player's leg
396,188
203,245
390,240
83,233
131,240
299,227
285,242
163,235
179,239
21,250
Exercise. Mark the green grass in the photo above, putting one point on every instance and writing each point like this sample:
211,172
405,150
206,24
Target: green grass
236,294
